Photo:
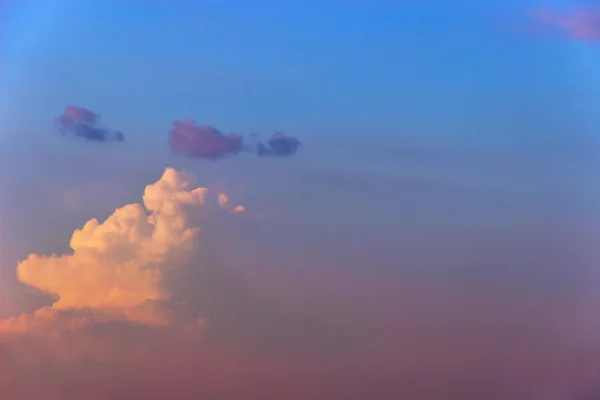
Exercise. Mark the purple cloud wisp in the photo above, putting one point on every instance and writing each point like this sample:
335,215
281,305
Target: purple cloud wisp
582,24
202,141
81,122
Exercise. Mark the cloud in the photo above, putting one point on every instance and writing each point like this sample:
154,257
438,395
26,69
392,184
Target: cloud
118,267
224,203
279,145
119,263
138,287
191,140
580,24
204,141
84,123
239,209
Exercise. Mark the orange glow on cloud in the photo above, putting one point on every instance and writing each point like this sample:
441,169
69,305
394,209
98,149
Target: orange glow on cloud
117,267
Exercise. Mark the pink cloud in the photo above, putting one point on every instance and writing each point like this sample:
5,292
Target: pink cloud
73,113
582,24
202,141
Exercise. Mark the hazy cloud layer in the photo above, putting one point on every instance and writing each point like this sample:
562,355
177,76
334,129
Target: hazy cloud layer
169,317
204,141
81,122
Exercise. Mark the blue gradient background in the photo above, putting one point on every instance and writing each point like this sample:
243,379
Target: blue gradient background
446,148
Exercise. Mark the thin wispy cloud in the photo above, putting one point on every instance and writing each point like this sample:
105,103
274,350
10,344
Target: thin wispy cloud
84,123
578,24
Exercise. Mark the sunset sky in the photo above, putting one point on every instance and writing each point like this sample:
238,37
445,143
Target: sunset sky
299,200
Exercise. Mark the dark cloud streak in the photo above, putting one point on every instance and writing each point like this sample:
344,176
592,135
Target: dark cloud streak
81,122
279,145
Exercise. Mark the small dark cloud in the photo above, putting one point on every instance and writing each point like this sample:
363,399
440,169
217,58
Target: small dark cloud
279,145
202,141
81,122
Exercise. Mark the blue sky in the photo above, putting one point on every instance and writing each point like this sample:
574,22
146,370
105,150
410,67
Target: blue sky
451,73
499,108
380,75
354,82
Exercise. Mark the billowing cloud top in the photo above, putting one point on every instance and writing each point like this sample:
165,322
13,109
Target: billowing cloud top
189,139
582,24
84,123
139,286
118,266
204,141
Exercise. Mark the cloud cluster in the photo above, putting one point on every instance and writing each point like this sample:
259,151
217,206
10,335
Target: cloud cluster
84,123
185,138
581,24
204,141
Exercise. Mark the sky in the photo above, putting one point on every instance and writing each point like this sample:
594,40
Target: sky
301,199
